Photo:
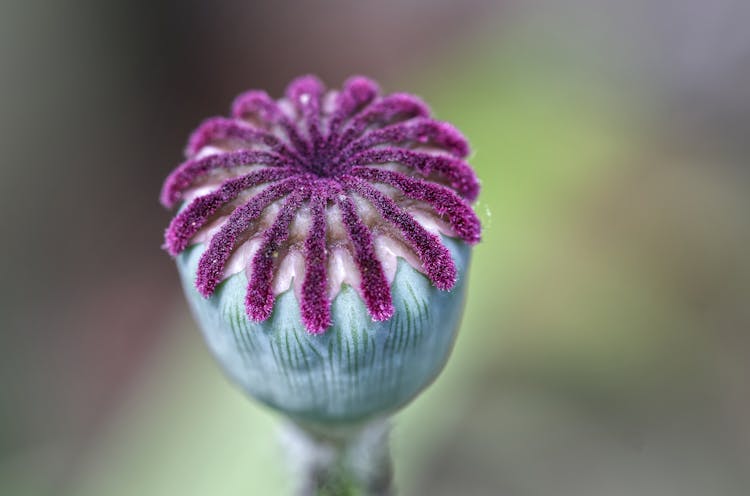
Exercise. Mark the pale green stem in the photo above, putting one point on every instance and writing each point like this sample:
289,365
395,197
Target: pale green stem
352,460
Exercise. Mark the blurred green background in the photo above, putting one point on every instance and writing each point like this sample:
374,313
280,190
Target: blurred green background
605,346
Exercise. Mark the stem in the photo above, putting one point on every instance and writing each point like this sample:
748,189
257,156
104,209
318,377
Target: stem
351,460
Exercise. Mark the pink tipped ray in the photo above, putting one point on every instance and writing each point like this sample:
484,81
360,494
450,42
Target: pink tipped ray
185,175
375,290
259,298
213,260
315,306
435,257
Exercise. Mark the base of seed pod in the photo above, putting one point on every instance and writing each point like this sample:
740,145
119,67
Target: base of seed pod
358,369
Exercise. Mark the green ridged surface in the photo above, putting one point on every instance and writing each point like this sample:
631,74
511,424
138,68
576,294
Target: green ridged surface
356,369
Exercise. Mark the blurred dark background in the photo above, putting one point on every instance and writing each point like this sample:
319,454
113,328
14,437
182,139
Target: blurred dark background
605,346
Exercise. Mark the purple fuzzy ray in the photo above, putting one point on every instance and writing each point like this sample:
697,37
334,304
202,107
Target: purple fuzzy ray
400,106
188,172
357,93
419,131
457,171
258,104
375,290
260,298
443,200
221,128
435,257
213,260
306,93
192,219
315,306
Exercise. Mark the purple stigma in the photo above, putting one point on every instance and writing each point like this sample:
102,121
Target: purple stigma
315,306
375,290
260,297
300,192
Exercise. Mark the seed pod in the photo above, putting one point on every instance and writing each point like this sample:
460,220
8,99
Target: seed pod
323,245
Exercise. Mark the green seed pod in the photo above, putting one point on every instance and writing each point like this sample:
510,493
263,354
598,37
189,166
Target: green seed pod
323,245
357,369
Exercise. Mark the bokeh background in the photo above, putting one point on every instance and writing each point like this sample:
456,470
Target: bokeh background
605,346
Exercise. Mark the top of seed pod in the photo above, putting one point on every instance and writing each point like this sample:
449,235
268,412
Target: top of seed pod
321,188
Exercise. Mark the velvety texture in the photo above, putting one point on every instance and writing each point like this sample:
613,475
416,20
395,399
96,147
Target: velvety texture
325,157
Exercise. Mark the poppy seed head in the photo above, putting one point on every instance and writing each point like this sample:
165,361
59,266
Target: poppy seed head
321,188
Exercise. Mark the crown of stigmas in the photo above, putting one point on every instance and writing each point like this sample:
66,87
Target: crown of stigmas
319,189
